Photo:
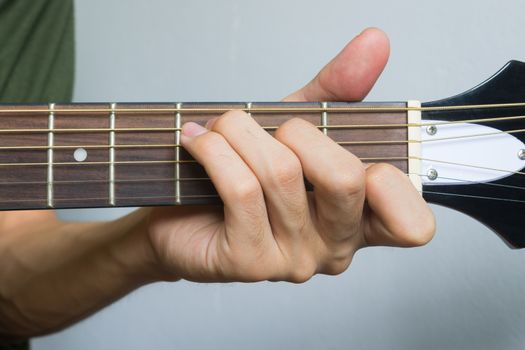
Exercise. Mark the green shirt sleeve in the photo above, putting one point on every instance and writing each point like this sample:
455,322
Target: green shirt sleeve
36,59
37,51
22,345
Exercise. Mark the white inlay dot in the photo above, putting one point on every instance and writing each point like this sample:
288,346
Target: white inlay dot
80,154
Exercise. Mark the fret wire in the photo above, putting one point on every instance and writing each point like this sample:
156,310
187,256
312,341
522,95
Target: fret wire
248,108
324,118
178,124
112,155
50,143
269,109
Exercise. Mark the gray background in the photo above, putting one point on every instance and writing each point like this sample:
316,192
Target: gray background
465,290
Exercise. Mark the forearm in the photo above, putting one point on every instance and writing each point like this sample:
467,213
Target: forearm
66,279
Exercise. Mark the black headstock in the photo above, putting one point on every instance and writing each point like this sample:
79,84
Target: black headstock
498,204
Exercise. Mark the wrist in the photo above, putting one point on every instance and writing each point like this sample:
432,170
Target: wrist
133,252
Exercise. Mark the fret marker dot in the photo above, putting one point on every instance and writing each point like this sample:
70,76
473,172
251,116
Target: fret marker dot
80,154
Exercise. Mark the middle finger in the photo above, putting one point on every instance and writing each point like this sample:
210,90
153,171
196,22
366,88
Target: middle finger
276,167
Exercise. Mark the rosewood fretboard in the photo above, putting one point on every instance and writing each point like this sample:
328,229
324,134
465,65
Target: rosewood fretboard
132,153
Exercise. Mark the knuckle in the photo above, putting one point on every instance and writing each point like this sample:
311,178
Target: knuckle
286,170
347,180
337,266
228,119
247,191
380,173
297,221
245,263
208,144
289,129
301,273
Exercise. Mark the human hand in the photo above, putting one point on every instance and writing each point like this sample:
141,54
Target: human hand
270,228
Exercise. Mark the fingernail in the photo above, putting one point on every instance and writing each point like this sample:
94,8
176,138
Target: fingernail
192,129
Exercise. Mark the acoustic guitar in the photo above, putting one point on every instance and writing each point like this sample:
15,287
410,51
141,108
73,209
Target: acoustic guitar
465,152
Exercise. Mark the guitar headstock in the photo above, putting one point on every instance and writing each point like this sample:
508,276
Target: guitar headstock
473,156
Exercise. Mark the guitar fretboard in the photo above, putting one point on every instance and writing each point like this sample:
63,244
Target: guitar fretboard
122,154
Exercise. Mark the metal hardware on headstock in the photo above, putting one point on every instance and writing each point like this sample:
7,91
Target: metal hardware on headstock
499,202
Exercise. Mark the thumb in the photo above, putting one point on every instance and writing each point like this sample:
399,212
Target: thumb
352,73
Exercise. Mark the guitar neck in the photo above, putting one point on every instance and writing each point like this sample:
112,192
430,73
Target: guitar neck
107,155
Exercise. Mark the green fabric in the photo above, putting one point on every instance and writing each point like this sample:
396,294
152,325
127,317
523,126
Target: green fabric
22,345
37,51
36,59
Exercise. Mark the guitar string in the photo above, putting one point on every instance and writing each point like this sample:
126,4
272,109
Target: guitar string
208,196
173,179
344,143
510,172
142,162
500,132
475,196
461,181
258,109
173,145
269,128
193,161
170,198
106,198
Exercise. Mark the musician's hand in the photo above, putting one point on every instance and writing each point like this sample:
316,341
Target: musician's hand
270,227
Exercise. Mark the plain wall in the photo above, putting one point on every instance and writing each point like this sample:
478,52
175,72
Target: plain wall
465,290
